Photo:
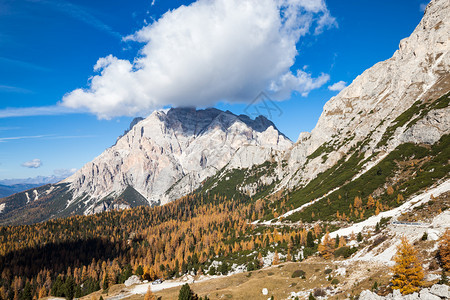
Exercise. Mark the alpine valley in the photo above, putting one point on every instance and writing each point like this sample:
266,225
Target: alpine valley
198,193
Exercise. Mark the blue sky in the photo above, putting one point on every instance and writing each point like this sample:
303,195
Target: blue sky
48,49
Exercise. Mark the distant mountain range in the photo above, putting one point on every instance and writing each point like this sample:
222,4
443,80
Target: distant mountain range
39,180
12,186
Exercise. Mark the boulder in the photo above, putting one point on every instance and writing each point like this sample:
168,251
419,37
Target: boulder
440,290
413,296
433,235
368,295
425,295
134,279
396,295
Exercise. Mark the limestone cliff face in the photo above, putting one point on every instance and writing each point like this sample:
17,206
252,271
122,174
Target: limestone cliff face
169,154
418,71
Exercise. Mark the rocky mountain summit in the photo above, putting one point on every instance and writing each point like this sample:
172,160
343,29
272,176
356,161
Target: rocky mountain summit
169,154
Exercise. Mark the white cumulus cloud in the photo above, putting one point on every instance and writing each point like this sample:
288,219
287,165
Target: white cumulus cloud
209,51
35,163
338,86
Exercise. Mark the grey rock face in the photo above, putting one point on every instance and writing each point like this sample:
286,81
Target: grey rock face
436,292
425,295
368,295
169,154
428,130
440,290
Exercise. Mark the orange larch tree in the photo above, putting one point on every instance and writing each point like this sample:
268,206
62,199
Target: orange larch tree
408,272
326,247
444,249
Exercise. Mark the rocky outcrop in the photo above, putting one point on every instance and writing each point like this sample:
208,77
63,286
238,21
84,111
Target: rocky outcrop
436,292
134,279
429,129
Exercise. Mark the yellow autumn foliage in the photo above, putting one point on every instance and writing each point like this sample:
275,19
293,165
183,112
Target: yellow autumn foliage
408,272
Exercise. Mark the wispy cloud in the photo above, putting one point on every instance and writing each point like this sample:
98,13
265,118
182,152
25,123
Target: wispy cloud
79,13
14,89
52,110
62,137
7,128
35,163
44,136
13,138
22,64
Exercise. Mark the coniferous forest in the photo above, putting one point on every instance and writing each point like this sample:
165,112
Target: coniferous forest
75,256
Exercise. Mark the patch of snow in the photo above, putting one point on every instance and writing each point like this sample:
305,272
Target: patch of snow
2,207
300,295
287,214
50,190
341,271
385,256
431,277
442,220
142,288
36,196
414,202
369,166
28,197
352,243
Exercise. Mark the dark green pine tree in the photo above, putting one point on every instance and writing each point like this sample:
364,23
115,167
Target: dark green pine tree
26,293
69,288
359,237
139,271
57,287
186,293
310,240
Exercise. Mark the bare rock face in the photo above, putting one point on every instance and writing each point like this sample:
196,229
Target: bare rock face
436,292
429,129
418,71
169,154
